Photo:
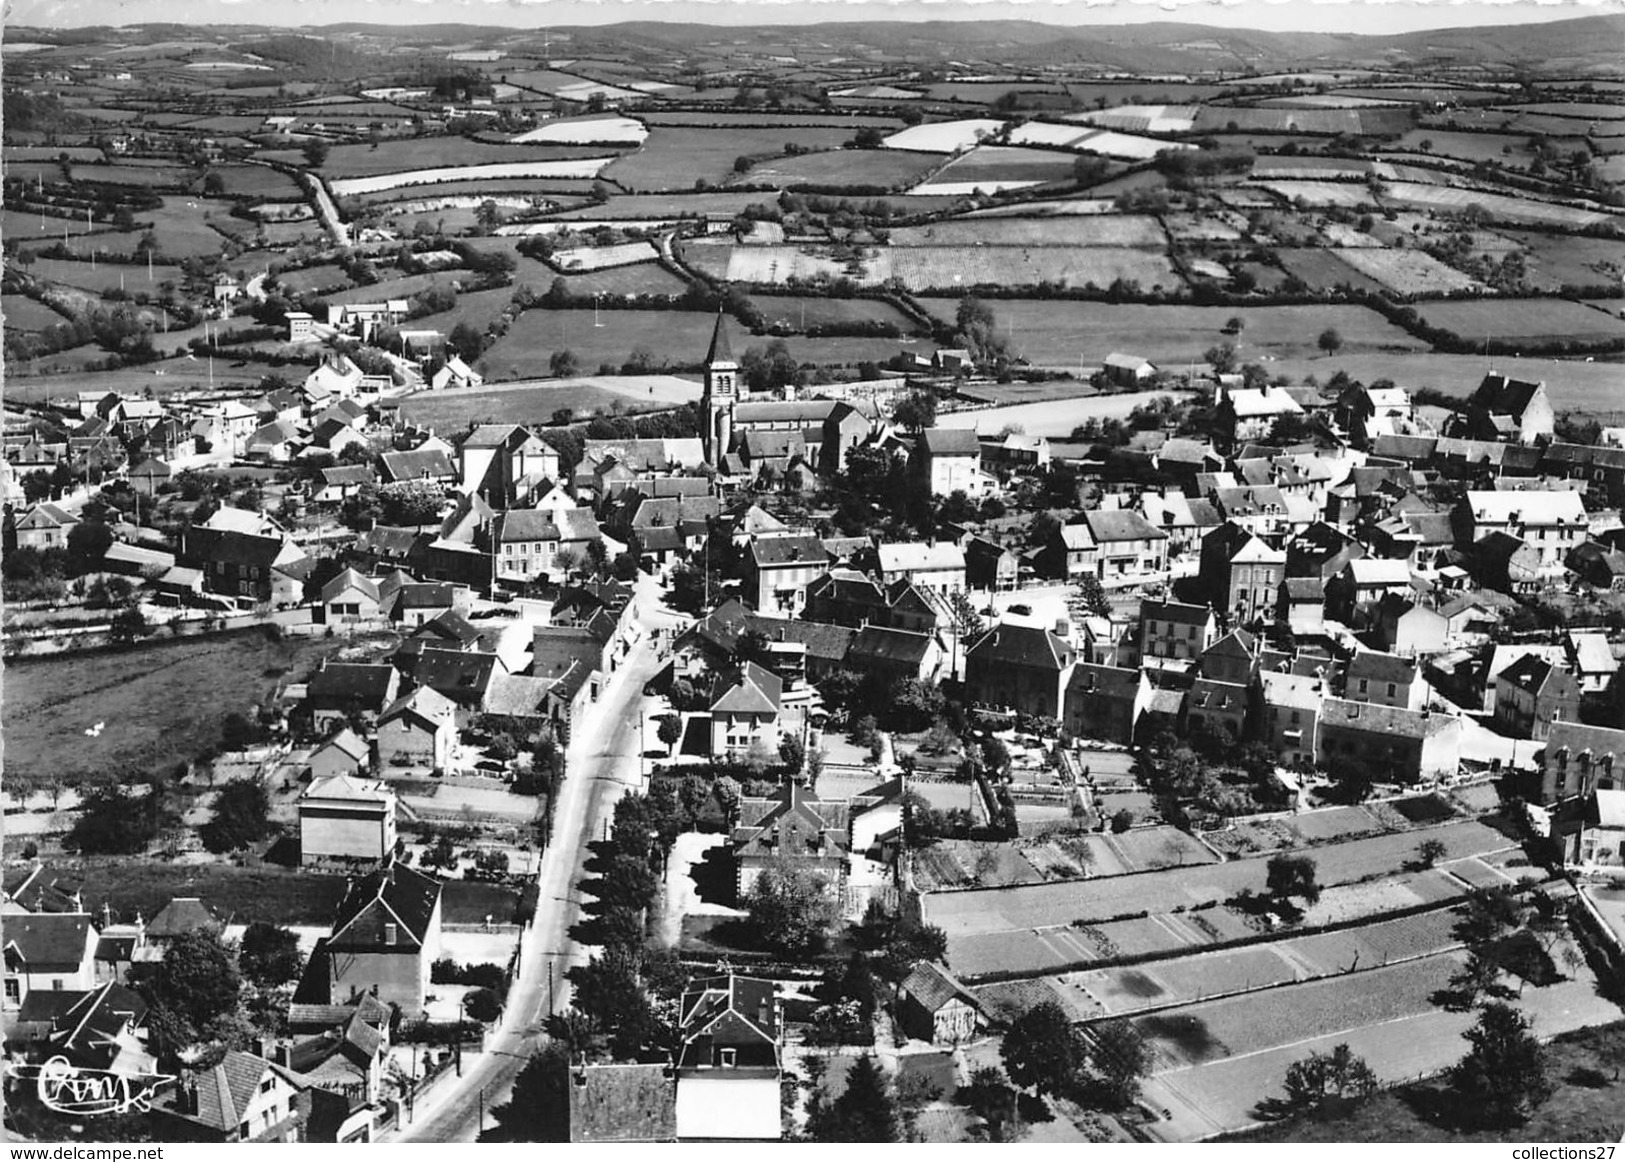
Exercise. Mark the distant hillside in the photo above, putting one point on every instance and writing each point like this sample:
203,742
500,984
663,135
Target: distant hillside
1588,44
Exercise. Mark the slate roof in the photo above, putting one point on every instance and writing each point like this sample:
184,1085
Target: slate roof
344,582
1374,666
337,684
920,556
1531,673
1121,525
1177,612
181,915
770,552
394,894
721,349
875,644
1375,719
950,442
1011,643
747,689
48,941
39,888
1502,395
1105,681
346,742
418,464
460,675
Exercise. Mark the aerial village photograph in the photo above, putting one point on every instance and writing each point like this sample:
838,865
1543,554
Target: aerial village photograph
688,573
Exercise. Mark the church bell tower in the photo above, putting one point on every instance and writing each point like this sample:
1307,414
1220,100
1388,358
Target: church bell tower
721,393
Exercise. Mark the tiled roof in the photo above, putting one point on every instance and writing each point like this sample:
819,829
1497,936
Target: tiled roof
48,941
950,442
1011,643
747,689
1376,719
181,915
1373,666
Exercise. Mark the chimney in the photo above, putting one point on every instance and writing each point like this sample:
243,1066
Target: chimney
284,1055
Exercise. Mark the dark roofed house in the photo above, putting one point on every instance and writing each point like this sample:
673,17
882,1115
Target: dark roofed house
420,464
1106,702
746,701
728,1061
937,1008
1388,743
1581,760
1019,667
182,916
1532,694
48,952
242,1098
1386,680
1504,406
35,887
895,653
778,570
339,689
463,676
385,936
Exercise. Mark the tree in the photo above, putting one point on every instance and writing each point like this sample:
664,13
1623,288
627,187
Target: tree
865,1112
196,982
1042,1051
1119,1057
539,1108
1222,358
1122,821
728,794
670,731
1503,1077
790,908
1430,852
1093,595
968,623
483,1005
916,411
1330,341
793,753
269,955
241,817
564,364
1287,876
128,625
315,151
1234,325
1323,1083
694,792
113,822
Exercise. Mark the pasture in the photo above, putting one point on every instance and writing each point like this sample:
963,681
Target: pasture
395,155
1498,206
537,402
882,169
677,338
104,276
1323,269
162,702
801,312
675,159
1082,230
1050,417
1064,333
1558,260
1572,384
1542,319
25,314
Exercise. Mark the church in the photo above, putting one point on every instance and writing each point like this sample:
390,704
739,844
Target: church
773,439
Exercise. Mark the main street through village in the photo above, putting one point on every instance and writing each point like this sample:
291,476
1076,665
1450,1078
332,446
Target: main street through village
603,762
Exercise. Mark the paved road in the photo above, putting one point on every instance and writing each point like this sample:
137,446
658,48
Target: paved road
602,764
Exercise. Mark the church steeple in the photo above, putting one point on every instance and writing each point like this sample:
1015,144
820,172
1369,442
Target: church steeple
721,349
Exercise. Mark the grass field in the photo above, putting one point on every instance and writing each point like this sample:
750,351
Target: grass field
674,159
354,161
1068,334
1077,230
259,181
1556,260
531,404
1523,318
182,226
528,346
162,703
1051,417
104,275
1571,384
799,312
1498,206
1000,163
1322,268
26,315
145,176
321,279
885,169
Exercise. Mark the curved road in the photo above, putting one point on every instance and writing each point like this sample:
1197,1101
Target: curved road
602,763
